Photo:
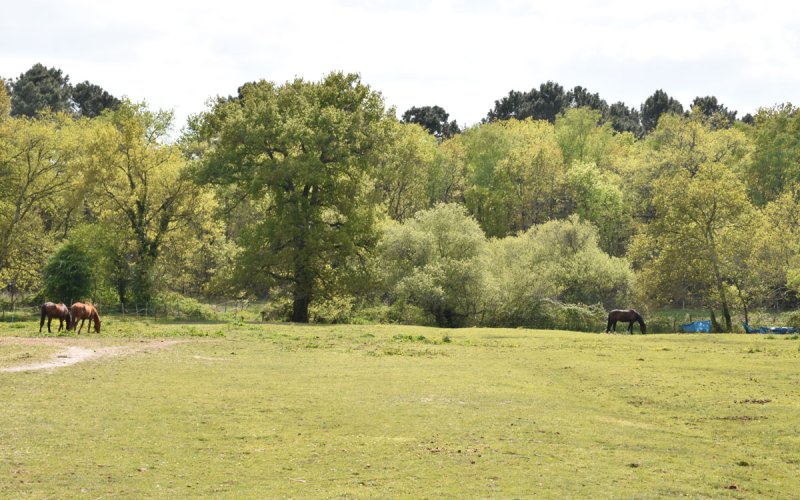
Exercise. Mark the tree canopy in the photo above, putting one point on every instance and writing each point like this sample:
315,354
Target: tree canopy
312,197
433,119
302,148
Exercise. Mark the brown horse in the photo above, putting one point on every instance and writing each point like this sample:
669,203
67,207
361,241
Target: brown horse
81,311
625,315
52,310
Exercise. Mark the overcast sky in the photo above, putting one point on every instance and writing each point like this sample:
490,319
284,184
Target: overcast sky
459,54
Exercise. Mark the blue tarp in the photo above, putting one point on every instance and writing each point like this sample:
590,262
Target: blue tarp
697,326
769,329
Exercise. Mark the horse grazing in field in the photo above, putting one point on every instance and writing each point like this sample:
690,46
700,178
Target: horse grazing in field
52,310
625,315
81,311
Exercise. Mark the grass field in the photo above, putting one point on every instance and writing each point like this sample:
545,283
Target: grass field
254,411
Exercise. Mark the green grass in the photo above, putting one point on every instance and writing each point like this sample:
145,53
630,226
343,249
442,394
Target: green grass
254,411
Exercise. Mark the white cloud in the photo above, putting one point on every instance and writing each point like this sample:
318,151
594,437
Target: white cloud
459,54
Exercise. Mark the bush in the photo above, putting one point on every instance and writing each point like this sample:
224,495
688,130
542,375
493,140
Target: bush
68,275
277,309
793,319
332,310
542,278
177,306
433,262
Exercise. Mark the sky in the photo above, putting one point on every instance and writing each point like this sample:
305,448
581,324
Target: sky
462,55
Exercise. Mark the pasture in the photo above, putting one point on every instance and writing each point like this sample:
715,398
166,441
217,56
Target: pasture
281,410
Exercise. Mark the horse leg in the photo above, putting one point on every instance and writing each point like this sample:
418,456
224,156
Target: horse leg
630,327
41,322
49,320
608,326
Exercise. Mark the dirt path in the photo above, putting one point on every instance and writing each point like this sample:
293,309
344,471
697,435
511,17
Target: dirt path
74,353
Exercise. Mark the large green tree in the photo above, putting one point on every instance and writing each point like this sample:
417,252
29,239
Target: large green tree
304,149
580,97
717,114
515,170
142,185
691,244
544,103
40,89
658,104
403,168
91,100
776,157
38,159
625,119
434,119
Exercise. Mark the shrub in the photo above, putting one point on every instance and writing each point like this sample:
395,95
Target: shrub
432,262
68,275
177,306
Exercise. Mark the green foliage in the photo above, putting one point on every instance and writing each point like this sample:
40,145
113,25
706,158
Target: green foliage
303,148
596,196
403,170
434,119
702,211
40,90
68,275
580,138
38,160
5,101
144,193
624,119
775,162
544,103
657,105
91,100
714,112
539,277
277,193
580,97
432,262
337,309
177,306
515,170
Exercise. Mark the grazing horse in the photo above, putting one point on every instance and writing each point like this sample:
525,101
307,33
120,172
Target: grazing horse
81,311
52,310
625,315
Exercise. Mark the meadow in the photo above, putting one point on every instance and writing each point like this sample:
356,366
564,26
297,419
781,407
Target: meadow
246,410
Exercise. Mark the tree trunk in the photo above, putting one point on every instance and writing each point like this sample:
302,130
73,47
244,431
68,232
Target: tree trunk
300,308
303,284
715,326
718,282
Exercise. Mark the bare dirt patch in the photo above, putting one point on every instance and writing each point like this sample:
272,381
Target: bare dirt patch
74,351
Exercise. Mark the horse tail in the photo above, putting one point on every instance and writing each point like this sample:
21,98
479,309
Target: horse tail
44,313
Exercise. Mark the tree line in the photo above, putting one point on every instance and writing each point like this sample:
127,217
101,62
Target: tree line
313,196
